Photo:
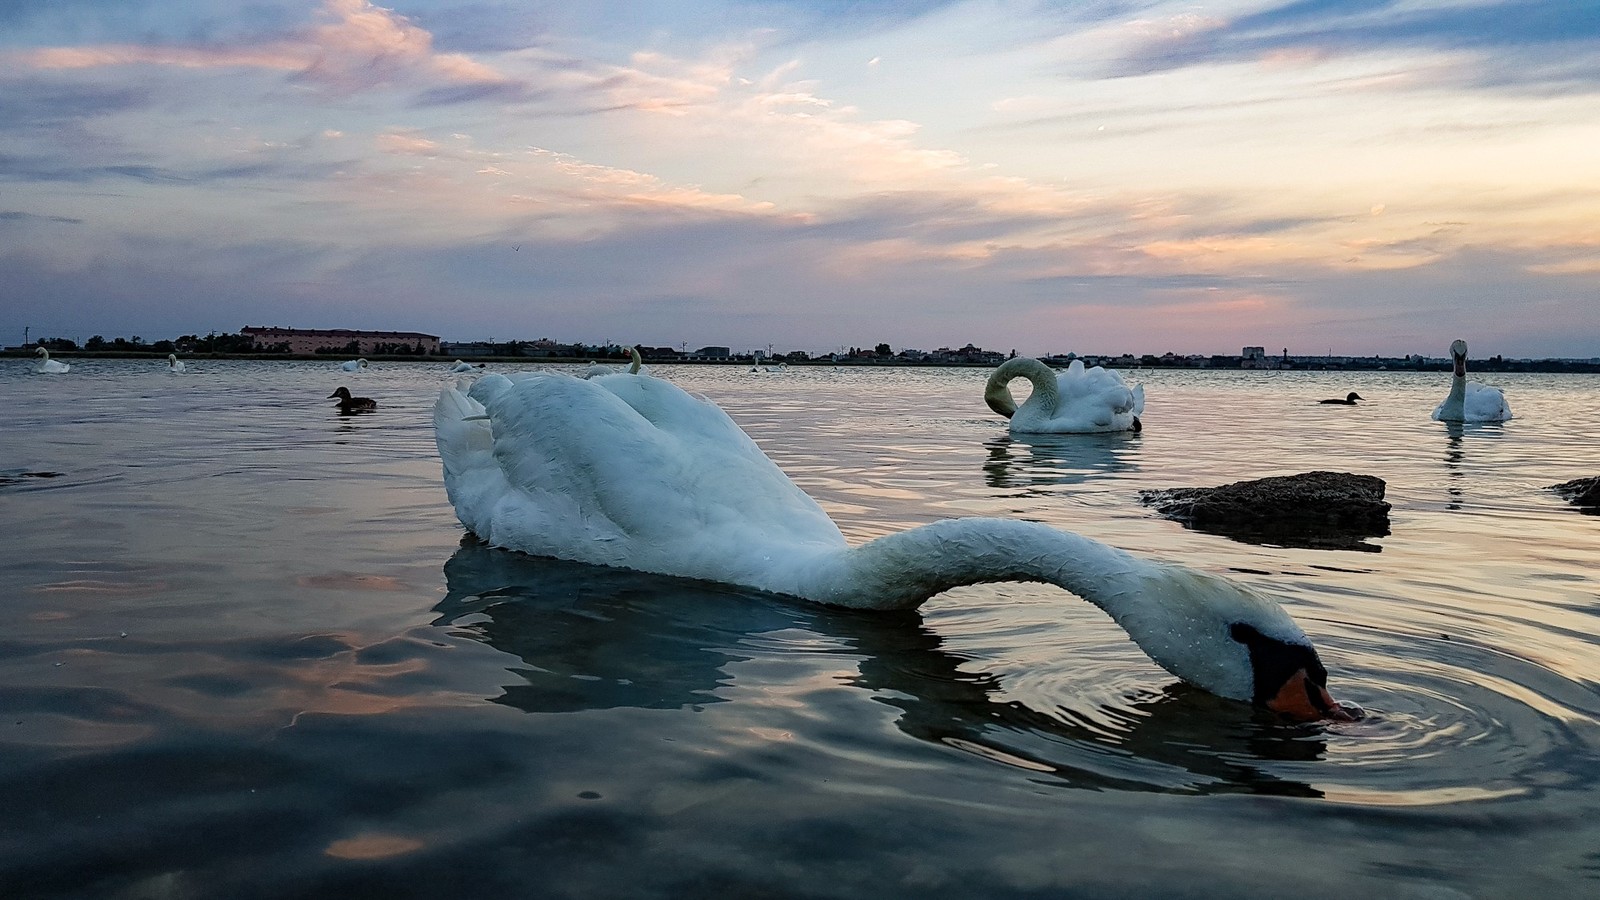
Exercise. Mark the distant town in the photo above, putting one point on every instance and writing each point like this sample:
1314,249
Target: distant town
260,342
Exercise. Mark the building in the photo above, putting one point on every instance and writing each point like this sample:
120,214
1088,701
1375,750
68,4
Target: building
340,340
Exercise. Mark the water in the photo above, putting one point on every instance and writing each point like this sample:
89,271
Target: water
246,653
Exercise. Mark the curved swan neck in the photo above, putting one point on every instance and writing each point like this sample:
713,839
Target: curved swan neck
998,396
1182,619
900,571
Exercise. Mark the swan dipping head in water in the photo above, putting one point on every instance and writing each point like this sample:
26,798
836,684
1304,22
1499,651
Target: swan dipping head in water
1469,401
631,471
1075,401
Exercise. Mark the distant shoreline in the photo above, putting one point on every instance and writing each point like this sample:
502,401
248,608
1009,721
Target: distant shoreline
1373,364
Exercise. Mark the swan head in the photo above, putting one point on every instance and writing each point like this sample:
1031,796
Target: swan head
40,351
1458,354
1288,678
1225,638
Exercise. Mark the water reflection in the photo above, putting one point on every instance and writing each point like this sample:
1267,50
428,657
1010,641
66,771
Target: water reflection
1036,461
594,638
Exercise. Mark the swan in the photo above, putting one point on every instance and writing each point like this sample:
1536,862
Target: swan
175,365
633,472
635,367
1469,401
48,366
1077,401
354,365
349,404
460,367
1349,399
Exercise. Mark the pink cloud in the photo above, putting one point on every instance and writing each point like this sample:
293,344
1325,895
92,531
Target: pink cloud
357,46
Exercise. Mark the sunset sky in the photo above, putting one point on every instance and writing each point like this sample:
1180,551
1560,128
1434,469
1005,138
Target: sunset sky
1361,177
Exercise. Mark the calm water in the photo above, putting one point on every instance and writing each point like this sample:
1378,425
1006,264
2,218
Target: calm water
245,653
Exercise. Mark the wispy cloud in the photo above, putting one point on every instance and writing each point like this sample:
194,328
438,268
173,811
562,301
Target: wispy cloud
357,46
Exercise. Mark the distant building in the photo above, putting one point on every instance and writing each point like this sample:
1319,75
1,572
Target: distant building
313,340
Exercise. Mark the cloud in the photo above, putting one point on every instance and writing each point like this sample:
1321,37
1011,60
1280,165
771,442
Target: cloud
356,47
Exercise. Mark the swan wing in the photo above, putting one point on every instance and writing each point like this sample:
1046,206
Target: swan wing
1485,404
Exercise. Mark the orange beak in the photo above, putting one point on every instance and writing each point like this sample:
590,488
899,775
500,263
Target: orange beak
1303,700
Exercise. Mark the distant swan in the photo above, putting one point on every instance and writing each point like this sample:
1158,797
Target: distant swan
1469,401
48,366
1349,399
633,472
595,370
349,404
460,367
354,365
1077,401
175,366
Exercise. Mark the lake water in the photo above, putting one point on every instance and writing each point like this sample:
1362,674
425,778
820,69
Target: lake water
246,653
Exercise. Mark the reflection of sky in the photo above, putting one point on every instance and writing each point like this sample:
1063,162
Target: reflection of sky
1139,177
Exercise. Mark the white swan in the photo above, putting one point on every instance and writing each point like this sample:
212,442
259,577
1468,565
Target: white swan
631,471
1076,401
175,365
635,367
460,367
354,365
48,366
1469,401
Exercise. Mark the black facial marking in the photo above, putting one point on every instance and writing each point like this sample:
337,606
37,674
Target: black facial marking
1272,662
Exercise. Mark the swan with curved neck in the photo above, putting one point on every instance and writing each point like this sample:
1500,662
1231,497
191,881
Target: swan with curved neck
48,366
175,365
631,471
1077,401
635,364
354,365
1469,401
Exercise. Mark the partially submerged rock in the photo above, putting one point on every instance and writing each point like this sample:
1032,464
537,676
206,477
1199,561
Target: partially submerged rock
1584,492
1317,510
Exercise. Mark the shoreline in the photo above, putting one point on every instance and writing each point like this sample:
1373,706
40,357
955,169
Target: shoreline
1553,366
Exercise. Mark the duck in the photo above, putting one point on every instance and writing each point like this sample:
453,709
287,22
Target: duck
635,367
354,365
633,472
1349,399
461,367
1076,401
175,365
349,404
48,366
1469,401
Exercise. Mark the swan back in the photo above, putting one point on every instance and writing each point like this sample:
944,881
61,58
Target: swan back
623,470
354,365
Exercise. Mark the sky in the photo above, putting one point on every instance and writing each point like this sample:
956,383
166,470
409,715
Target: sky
1096,176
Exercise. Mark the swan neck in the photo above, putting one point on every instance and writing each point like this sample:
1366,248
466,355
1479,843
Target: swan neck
902,570
997,393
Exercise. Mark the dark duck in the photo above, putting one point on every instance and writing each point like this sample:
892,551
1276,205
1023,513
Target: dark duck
1349,399
349,405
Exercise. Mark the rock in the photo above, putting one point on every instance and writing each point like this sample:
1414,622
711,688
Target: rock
1584,492
1317,510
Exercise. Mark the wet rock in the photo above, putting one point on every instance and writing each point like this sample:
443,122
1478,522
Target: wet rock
1584,492
1317,510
